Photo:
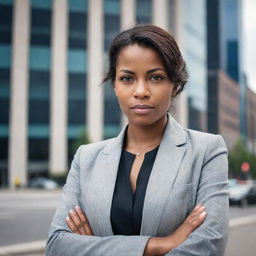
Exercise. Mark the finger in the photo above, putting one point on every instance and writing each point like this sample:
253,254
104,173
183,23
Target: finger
196,218
199,220
84,221
197,207
72,225
74,216
195,213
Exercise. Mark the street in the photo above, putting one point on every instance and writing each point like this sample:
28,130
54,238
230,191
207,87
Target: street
25,217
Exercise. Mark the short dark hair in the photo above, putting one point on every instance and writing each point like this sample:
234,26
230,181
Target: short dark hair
160,40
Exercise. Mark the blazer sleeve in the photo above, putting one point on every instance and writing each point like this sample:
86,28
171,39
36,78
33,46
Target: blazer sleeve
210,238
61,241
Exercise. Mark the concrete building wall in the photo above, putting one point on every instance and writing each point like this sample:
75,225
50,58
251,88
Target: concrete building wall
60,64
58,120
95,70
228,109
18,144
251,120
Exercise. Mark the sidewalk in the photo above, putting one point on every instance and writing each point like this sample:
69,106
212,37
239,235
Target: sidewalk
36,248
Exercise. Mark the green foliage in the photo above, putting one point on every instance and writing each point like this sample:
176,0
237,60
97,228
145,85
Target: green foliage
81,140
239,154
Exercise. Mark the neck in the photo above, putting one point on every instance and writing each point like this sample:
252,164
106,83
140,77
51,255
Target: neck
145,138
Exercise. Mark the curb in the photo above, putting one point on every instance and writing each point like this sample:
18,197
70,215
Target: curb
23,249
236,222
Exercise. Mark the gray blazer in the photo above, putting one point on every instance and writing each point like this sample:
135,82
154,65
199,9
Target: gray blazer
190,168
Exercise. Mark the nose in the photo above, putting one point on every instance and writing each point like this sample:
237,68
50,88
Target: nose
141,90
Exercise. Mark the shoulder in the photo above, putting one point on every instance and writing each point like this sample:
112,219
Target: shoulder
205,143
197,137
93,148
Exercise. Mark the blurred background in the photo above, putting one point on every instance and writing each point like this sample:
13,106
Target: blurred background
53,56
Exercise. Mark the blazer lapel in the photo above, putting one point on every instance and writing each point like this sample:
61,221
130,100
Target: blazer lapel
163,174
102,186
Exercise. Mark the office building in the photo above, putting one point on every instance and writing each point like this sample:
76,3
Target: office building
225,53
195,53
228,109
251,117
52,64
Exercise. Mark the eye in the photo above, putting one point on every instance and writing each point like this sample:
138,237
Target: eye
156,77
126,78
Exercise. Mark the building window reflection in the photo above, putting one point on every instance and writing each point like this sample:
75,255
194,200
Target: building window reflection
6,10
144,11
39,87
77,68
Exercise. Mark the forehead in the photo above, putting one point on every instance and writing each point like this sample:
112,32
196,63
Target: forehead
138,56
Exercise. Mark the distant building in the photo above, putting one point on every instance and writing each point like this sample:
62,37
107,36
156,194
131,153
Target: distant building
52,63
251,117
226,86
228,109
194,38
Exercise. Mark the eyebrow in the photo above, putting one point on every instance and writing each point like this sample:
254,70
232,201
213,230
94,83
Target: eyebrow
148,72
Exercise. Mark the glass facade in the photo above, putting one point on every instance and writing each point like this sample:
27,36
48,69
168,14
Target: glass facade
112,111
194,47
213,63
6,10
39,87
38,133
231,43
144,11
77,70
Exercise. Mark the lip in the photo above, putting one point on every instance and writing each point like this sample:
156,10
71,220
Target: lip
142,108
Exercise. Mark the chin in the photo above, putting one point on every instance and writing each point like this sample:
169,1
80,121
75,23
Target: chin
144,120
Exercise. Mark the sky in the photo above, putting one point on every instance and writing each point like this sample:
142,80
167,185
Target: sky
249,41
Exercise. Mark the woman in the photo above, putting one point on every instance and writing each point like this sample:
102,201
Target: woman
156,189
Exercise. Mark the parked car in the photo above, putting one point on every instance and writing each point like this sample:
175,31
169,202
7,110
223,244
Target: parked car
242,194
41,182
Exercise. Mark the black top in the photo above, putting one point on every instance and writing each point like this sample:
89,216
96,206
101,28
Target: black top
127,207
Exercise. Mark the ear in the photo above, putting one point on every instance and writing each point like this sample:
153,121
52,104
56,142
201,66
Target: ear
114,87
174,91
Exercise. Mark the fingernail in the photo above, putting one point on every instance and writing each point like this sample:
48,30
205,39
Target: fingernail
78,207
67,218
199,206
203,214
72,212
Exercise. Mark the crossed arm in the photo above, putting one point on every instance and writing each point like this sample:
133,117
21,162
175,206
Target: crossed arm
78,224
198,235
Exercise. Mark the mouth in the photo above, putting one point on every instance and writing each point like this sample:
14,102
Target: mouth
142,108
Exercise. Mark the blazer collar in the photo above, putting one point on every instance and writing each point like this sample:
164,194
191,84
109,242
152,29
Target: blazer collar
163,174
174,133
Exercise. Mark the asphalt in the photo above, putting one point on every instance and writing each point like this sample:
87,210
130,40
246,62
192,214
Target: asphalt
37,248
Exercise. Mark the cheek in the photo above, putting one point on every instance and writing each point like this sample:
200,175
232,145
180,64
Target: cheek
165,101
165,96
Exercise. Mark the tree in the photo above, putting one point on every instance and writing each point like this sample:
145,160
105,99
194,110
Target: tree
239,154
81,140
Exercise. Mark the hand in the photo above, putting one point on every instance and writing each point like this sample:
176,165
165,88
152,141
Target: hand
78,223
193,221
158,246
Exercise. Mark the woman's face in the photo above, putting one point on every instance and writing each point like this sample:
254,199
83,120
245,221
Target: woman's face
142,86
